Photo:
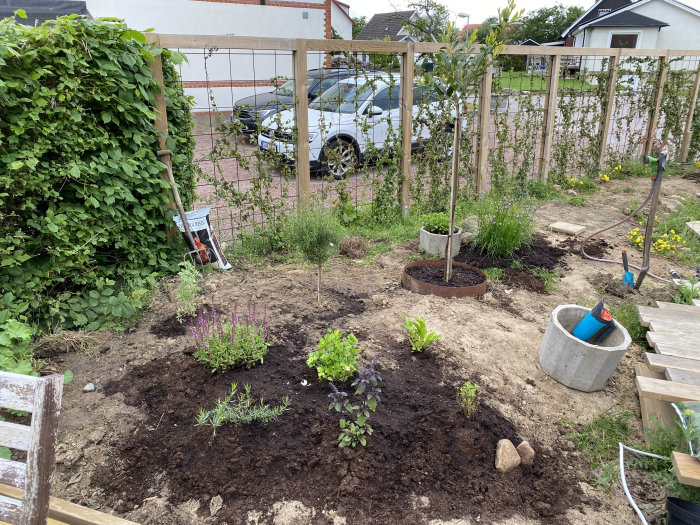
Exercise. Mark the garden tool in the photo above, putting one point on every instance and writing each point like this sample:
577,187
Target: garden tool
628,278
596,326
660,163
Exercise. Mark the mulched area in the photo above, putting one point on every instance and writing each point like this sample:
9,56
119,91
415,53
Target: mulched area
540,253
595,247
695,177
461,277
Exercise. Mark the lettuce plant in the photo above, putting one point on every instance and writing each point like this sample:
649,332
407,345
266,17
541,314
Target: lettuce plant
418,334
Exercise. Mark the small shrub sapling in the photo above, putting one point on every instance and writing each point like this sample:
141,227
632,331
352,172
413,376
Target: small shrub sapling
187,291
418,334
469,397
336,357
227,343
438,223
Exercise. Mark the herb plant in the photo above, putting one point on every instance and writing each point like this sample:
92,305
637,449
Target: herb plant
15,349
504,225
223,343
418,334
336,357
366,384
438,223
187,290
687,292
469,397
241,411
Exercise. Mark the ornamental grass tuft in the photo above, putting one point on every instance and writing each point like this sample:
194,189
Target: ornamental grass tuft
504,225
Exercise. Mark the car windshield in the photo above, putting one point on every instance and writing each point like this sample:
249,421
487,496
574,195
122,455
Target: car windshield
288,87
345,97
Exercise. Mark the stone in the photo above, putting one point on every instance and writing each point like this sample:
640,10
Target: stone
695,226
571,193
470,224
672,204
567,228
627,211
507,458
527,454
556,186
678,282
215,505
90,387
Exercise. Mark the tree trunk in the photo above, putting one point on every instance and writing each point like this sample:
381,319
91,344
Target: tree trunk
318,291
453,194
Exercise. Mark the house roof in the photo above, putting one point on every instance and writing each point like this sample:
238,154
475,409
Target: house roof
470,28
529,42
41,10
624,19
593,13
382,25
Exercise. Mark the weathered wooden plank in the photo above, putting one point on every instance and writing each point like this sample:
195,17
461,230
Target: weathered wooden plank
12,473
686,308
407,73
10,510
658,97
484,117
676,351
653,409
17,391
688,341
687,468
688,131
666,390
685,377
70,513
171,41
550,113
613,69
648,314
678,326
301,116
660,362
15,436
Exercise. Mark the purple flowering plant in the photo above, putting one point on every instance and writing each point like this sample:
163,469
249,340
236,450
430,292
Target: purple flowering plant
505,224
228,342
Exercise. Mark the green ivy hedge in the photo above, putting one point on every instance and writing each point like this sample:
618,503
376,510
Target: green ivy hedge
82,213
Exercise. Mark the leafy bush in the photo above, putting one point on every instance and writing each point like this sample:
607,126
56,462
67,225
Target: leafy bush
687,292
81,191
504,225
223,344
186,291
15,350
469,397
336,357
438,223
418,334
240,412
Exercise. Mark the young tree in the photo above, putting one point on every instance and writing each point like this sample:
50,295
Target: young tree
547,23
431,21
459,64
359,23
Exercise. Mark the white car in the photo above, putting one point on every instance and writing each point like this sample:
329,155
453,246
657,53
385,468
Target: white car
343,122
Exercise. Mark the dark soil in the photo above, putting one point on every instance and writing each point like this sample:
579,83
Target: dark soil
695,177
524,280
170,327
595,247
434,275
539,254
422,446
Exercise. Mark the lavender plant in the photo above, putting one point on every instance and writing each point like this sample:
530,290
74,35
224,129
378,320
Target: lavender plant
224,343
504,225
366,384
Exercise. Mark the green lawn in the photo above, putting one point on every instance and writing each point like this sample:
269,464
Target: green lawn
521,81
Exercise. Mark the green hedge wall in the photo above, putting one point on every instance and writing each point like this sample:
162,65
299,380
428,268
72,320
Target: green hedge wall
82,211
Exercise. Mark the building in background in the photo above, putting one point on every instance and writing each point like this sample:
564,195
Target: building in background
39,11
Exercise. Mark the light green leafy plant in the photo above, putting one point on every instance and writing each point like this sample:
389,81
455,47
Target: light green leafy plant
495,275
687,292
15,348
469,397
187,290
336,357
418,334
241,411
547,277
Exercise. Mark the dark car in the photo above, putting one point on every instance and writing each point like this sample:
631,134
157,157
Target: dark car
251,111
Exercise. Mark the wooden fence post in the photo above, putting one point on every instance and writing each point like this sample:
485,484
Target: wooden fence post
613,69
484,116
550,113
162,125
407,67
654,120
688,132
301,117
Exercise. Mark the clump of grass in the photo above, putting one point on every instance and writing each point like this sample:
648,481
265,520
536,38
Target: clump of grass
187,290
469,397
628,316
354,247
495,275
578,200
549,278
504,225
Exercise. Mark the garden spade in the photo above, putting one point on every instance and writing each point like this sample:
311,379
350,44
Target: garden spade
628,278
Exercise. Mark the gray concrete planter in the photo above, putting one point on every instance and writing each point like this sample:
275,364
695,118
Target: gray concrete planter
436,243
575,363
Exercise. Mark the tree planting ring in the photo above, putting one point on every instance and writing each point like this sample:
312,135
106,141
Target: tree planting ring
414,285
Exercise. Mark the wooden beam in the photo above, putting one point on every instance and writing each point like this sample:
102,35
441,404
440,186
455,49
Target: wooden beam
14,436
688,131
685,377
652,409
301,116
484,117
171,41
660,362
550,113
685,308
648,315
407,73
666,390
687,468
654,118
613,68
687,340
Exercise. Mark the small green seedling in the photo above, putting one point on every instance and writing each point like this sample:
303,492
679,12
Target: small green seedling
418,334
187,291
469,397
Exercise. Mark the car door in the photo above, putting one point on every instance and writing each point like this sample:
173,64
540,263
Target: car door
377,129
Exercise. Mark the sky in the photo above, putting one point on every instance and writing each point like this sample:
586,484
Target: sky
477,11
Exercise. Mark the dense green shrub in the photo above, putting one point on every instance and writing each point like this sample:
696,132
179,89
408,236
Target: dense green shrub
82,214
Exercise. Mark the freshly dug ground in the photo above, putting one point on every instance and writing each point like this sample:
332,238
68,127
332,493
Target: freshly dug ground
132,447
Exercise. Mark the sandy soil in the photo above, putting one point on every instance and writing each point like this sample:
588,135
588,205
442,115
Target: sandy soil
498,346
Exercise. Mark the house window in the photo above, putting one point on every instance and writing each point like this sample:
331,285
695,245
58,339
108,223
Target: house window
627,41
602,12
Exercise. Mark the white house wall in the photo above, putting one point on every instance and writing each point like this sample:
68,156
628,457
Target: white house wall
600,37
228,75
684,28
341,22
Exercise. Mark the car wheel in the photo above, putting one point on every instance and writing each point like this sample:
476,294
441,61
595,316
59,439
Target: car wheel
339,158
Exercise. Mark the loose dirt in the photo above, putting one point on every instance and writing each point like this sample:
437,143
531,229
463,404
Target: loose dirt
435,275
132,447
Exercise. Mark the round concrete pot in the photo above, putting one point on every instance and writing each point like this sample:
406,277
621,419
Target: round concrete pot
575,363
436,243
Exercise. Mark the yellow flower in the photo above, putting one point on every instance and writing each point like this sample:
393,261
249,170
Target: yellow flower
580,182
672,231
619,167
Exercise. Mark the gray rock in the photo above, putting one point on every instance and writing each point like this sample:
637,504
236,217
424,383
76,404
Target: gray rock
571,193
470,224
527,454
567,228
507,458
215,505
90,387
672,204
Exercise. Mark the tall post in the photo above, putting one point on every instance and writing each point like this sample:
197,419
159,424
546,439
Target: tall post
613,69
484,115
162,125
550,113
454,177
688,132
407,67
301,118
654,120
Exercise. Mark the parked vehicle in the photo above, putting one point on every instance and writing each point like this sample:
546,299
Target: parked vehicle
250,111
343,122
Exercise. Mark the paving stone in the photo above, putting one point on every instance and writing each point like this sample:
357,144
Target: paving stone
677,283
695,226
567,228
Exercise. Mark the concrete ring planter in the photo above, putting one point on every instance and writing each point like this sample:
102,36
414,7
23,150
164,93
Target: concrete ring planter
575,363
423,288
436,243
